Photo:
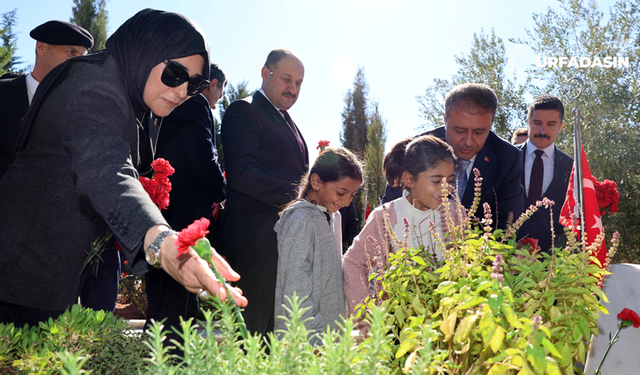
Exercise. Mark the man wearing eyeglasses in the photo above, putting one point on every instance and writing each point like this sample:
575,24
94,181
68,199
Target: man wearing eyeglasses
187,141
265,158
56,41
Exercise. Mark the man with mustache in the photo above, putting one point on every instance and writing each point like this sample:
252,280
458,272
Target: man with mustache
265,158
546,170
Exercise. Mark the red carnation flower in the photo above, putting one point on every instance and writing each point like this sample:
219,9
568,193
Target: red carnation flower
607,195
630,315
159,186
189,235
322,145
161,165
531,242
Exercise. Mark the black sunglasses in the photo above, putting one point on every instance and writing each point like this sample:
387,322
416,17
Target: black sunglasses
175,75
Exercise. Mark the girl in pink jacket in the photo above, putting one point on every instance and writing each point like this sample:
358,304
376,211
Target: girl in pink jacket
421,165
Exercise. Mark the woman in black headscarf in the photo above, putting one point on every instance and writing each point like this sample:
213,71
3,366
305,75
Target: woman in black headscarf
87,136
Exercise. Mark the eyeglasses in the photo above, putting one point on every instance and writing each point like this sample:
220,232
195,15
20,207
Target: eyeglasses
175,75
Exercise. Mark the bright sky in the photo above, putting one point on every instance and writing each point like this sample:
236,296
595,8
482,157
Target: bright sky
402,44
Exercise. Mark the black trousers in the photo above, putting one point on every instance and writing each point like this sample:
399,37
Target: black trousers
99,290
258,284
20,315
169,300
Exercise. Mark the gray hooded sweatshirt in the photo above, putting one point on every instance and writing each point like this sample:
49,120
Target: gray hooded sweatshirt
310,264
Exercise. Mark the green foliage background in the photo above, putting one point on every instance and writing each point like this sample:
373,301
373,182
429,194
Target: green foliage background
609,106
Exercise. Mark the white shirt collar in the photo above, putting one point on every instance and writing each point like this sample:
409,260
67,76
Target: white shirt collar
32,85
548,151
274,106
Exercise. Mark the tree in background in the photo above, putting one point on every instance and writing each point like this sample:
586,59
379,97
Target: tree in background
374,155
610,104
355,124
8,58
355,119
232,93
486,63
92,15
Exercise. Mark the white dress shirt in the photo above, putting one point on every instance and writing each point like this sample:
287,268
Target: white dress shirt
548,160
32,85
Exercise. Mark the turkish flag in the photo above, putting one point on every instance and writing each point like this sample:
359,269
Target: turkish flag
592,221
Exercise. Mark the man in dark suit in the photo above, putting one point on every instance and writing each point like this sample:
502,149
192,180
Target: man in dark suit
56,42
265,158
546,170
469,113
187,141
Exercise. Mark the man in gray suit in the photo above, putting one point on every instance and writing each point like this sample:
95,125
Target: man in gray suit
56,41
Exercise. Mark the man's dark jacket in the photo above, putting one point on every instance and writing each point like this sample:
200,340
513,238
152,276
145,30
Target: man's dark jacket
264,164
500,166
14,103
539,225
187,140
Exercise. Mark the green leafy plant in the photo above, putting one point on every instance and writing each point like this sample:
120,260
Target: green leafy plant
488,307
105,342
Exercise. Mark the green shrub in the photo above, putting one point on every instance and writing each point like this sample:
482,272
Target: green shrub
489,308
105,342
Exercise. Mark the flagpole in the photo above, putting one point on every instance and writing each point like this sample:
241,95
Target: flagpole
577,149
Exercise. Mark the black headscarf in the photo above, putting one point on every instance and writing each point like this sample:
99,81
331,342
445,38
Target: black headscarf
141,43
147,39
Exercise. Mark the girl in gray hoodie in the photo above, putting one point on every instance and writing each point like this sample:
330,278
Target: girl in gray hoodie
309,242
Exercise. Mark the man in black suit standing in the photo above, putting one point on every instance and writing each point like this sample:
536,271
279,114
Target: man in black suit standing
546,169
469,112
56,42
265,158
187,140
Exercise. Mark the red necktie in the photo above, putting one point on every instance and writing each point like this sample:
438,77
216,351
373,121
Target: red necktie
295,132
537,176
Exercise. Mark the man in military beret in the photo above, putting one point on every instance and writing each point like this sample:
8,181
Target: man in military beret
56,42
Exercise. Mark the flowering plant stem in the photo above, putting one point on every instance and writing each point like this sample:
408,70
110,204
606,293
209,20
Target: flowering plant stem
203,248
97,247
611,342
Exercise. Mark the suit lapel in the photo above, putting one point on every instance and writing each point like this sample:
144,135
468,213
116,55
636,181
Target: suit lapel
20,101
277,117
485,160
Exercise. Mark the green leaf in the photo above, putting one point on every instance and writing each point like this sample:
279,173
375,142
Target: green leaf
498,369
552,349
512,318
419,260
417,305
496,340
405,346
552,367
448,325
536,356
472,302
464,328
487,327
598,292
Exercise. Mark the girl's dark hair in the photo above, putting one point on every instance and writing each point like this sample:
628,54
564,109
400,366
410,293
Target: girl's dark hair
332,165
415,155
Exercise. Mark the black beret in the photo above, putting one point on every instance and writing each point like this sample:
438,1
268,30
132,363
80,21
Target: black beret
62,33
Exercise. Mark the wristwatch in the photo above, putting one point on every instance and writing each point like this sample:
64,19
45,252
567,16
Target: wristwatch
152,254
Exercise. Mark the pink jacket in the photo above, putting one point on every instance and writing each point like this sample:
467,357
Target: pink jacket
364,256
